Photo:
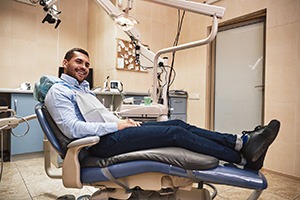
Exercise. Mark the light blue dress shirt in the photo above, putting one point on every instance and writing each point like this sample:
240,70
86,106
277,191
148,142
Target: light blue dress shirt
61,104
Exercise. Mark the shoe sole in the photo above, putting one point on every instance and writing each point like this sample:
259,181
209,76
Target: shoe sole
273,129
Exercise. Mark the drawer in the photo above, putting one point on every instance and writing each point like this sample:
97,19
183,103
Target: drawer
137,100
178,105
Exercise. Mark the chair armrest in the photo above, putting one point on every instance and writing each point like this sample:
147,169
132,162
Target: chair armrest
71,165
83,142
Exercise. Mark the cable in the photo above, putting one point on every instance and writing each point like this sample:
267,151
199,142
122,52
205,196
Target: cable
215,191
146,67
28,127
179,27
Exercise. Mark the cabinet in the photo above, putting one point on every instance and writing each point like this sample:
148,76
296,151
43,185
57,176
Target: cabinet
5,101
178,107
24,105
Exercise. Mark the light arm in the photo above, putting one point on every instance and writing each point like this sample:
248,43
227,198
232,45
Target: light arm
207,40
190,6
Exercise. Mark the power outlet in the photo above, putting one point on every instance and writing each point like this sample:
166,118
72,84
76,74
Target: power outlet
194,96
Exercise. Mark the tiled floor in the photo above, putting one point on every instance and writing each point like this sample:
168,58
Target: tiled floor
25,179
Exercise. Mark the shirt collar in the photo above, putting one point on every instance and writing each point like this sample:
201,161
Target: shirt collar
72,81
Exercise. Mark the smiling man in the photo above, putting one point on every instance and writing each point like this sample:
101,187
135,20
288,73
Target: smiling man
122,136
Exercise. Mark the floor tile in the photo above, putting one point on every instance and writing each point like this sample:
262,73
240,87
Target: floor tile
12,185
25,179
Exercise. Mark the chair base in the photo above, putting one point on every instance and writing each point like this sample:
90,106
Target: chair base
151,186
138,194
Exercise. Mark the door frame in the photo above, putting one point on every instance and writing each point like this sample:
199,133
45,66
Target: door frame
252,18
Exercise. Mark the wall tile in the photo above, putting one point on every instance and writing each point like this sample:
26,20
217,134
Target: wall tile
142,8
282,12
297,160
281,160
144,28
6,18
23,20
297,120
281,63
6,52
285,113
241,7
7,73
24,65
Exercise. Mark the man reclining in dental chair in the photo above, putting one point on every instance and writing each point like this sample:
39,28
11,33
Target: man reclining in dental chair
123,136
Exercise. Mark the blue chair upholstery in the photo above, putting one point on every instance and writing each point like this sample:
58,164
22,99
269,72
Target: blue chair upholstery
148,170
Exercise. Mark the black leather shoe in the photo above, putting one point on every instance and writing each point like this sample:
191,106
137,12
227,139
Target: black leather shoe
257,128
258,164
259,141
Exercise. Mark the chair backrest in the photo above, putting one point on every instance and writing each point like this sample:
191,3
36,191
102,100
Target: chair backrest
57,139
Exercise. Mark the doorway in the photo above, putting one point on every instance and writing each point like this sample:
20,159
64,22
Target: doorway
238,76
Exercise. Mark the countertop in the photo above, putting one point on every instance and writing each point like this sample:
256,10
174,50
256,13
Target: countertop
11,90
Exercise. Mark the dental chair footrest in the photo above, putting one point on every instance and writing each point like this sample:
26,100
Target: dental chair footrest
222,174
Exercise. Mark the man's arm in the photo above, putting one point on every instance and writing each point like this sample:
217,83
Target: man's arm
61,103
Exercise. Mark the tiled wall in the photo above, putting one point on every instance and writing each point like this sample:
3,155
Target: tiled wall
282,83
30,49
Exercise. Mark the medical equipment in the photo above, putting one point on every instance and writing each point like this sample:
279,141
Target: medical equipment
51,9
116,86
143,112
170,172
10,123
105,84
123,20
25,86
199,8
127,22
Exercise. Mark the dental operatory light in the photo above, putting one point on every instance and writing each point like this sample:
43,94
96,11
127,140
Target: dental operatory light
123,20
52,12
51,9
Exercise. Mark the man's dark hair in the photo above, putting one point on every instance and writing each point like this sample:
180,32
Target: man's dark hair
70,53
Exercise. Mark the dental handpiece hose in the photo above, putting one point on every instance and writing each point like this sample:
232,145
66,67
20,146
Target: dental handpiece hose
11,123
27,118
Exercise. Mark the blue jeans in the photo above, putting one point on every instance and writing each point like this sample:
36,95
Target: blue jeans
173,133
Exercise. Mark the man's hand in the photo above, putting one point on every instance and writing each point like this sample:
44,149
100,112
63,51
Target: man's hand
127,123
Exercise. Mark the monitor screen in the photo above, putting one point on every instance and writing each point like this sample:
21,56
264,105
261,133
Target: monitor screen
89,78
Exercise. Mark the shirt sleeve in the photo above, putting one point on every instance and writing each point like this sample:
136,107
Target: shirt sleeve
61,104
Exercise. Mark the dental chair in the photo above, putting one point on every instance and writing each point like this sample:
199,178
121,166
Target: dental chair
163,173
